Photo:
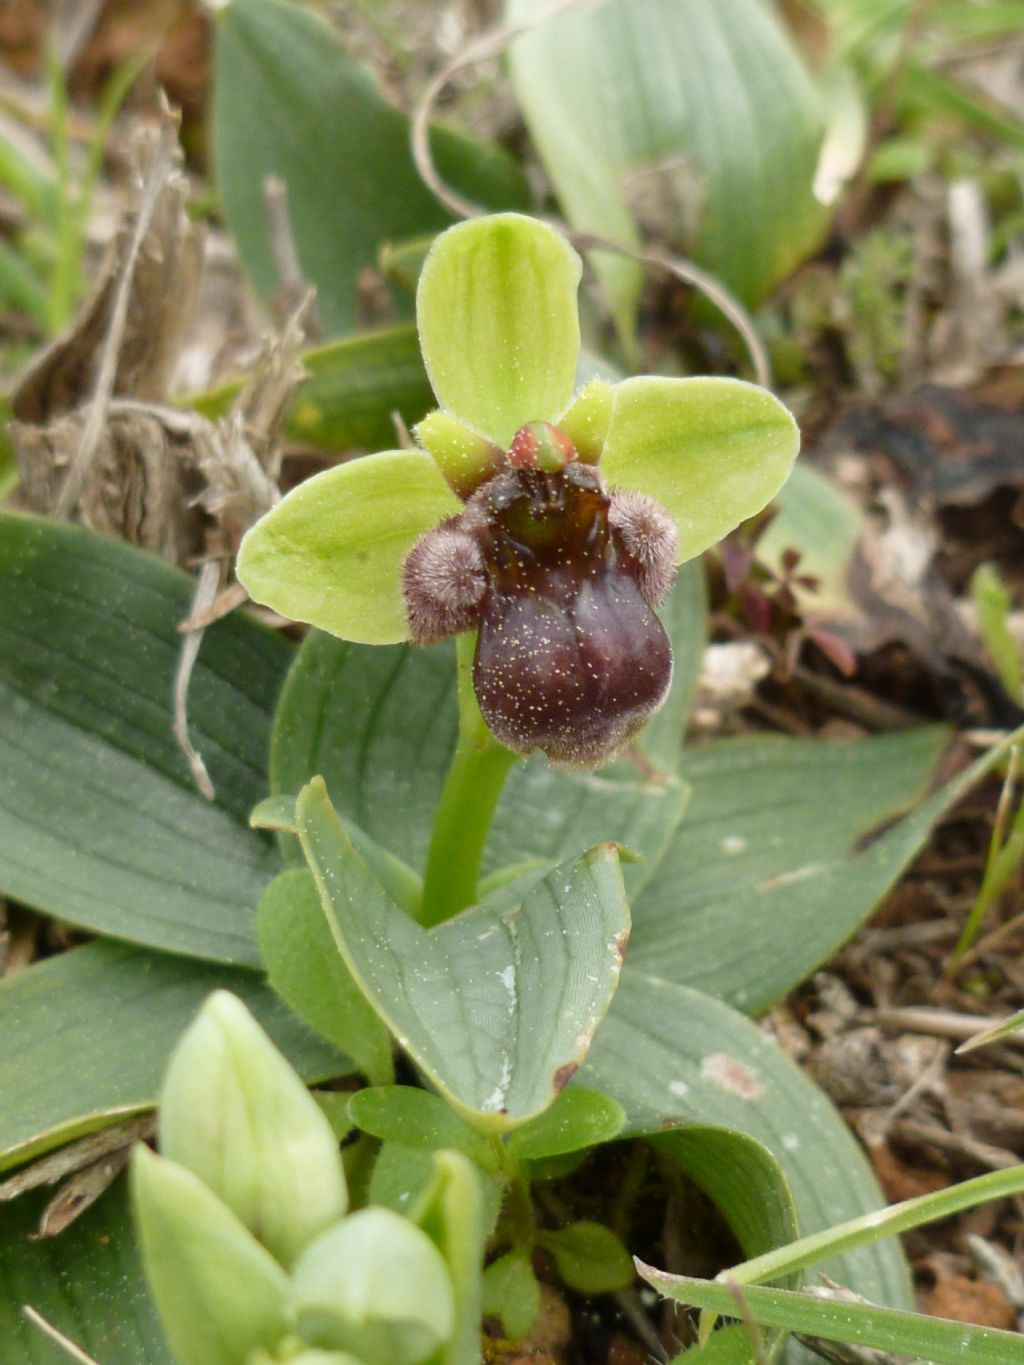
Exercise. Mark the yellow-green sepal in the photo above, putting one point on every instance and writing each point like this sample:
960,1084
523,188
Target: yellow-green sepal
220,1294
331,552
712,452
498,322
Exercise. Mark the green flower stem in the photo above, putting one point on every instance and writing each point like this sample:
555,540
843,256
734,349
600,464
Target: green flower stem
519,1222
464,813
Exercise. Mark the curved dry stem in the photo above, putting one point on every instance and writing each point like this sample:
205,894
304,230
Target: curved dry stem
690,273
489,44
492,44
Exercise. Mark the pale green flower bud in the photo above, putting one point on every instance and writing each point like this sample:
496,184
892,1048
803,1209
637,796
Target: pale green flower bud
221,1296
377,1286
312,1356
235,1113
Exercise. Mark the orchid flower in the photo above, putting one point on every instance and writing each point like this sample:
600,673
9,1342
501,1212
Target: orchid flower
551,524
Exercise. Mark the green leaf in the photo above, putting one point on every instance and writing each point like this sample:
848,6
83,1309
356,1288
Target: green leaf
219,1292
305,970
331,553
100,822
21,289
498,322
711,451
411,1117
933,93
684,617
497,1009
698,123
452,1213
290,102
992,605
747,1185
400,1176
87,1035
669,1054
860,1324
764,879
741,1177
87,1283
511,1293
235,1114
727,1346
352,390
589,1257
400,882
8,465
578,1119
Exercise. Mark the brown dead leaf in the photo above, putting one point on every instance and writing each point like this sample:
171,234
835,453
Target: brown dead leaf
975,1301
79,1193
78,1156
162,272
901,1180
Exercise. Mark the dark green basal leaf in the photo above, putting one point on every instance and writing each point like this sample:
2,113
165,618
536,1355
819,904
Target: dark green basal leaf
306,971
290,102
498,1009
697,124
87,1283
786,848
380,726
353,388
685,617
100,823
87,1035
670,1054
741,1178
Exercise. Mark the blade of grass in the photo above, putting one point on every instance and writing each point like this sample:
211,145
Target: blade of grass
936,1340
1004,856
994,1034
858,1232
63,282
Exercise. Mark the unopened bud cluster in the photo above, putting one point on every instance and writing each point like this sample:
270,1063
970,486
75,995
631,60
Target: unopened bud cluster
560,577
249,1253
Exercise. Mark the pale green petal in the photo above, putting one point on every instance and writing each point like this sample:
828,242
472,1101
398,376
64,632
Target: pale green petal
498,322
586,420
465,458
711,451
331,552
